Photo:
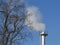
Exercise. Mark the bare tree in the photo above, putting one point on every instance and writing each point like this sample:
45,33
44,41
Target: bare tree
12,19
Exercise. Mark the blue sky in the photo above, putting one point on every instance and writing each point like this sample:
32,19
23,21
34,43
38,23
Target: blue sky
51,17
50,10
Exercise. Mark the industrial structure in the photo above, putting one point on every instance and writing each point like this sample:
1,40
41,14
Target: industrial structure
43,37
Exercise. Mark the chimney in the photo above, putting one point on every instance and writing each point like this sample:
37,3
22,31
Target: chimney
43,38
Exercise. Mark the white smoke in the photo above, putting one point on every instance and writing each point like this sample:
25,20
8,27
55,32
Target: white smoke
34,19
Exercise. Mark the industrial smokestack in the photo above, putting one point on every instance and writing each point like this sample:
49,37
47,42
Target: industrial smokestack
34,21
43,38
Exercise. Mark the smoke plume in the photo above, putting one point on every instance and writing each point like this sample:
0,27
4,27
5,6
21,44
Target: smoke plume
34,19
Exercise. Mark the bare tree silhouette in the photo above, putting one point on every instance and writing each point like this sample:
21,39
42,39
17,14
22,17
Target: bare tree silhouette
12,17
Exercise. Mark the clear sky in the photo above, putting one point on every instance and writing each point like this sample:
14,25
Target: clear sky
50,10
51,16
